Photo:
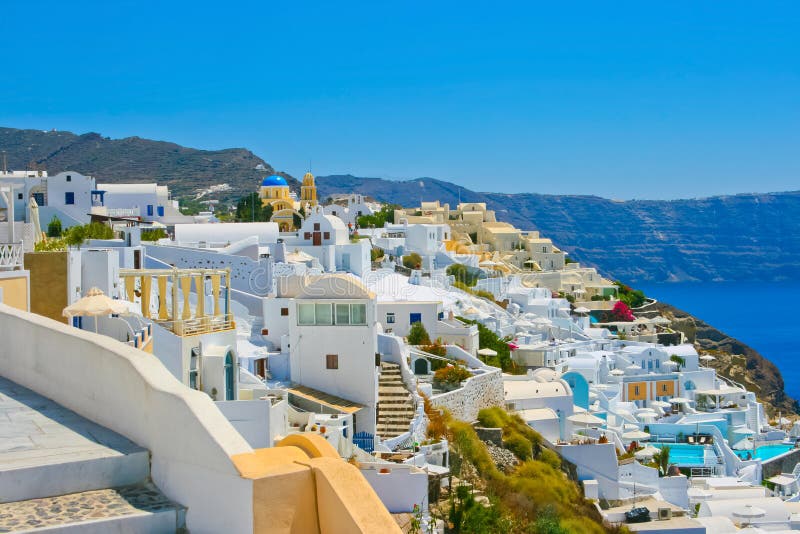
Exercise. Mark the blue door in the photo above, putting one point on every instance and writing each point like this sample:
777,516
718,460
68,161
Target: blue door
415,318
229,382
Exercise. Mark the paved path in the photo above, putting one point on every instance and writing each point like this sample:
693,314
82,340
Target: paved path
85,506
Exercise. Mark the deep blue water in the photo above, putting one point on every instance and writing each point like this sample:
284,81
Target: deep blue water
761,315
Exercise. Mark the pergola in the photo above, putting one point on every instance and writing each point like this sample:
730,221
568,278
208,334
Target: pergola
189,322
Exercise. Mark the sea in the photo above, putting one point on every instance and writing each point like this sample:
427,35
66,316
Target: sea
763,315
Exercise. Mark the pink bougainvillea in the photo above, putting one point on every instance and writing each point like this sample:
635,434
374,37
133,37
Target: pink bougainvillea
621,312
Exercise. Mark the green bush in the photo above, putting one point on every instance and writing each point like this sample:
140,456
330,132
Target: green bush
517,444
375,253
54,227
462,274
153,234
417,335
632,297
412,261
451,375
489,340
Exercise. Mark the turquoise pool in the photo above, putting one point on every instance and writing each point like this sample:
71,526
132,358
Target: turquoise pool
685,454
765,452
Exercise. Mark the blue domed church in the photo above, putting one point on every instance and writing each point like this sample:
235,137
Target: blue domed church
275,192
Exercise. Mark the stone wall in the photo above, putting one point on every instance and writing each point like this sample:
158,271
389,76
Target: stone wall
480,391
780,464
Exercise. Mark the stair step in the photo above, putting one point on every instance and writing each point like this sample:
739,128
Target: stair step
132,509
49,450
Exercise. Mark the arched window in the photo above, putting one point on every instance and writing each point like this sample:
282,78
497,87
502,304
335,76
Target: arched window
689,385
229,381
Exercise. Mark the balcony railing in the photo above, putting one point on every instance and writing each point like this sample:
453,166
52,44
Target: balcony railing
10,256
200,325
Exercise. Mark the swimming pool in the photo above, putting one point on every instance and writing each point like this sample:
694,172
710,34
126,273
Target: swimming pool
765,452
687,455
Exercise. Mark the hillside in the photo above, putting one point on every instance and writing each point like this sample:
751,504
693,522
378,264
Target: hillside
741,237
134,159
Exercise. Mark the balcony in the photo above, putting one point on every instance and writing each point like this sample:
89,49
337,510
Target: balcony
10,256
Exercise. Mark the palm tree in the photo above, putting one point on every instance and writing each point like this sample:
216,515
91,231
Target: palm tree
661,459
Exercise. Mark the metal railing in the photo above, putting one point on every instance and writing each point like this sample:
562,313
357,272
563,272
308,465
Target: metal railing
10,256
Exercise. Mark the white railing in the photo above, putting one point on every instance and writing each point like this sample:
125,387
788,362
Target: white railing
10,256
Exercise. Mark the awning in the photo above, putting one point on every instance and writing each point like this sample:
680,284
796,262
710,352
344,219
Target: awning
782,480
324,399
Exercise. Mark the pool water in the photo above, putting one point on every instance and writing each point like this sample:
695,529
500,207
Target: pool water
685,454
765,452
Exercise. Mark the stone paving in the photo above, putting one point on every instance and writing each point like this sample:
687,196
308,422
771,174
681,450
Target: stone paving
85,506
36,431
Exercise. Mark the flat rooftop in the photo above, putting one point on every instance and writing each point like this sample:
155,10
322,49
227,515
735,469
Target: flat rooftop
35,431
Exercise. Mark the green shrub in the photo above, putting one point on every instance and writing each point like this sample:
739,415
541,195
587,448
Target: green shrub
54,227
412,261
451,375
517,444
375,253
462,274
153,234
417,335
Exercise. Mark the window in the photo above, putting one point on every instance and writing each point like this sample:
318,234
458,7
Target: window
307,235
326,235
316,227
284,312
265,331
358,314
658,364
69,177
342,314
19,196
305,314
160,211
636,390
331,361
324,313
663,388
69,197
327,313
414,318
390,318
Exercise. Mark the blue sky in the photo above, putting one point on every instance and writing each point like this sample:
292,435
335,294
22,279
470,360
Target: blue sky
619,99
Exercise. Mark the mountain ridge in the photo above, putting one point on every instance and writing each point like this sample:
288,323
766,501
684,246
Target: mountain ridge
748,236
704,239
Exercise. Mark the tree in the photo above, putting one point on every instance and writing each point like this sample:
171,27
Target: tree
54,227
661,459
379,218
250,209
418,335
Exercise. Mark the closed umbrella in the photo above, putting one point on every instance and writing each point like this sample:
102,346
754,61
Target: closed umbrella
37,224
749,511
94,304
585,418
647,452
635,435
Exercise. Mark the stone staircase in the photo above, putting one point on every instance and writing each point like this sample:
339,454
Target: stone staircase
60,472
395,403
